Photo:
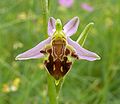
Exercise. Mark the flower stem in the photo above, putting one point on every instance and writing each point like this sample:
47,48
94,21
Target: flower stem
44,5
59,86
51,90
51,84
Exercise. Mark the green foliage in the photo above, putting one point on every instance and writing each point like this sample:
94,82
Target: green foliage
21,27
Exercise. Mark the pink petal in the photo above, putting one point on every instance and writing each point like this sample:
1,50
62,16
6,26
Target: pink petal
51,26
71,27
66,3
83,53
87,7
34,52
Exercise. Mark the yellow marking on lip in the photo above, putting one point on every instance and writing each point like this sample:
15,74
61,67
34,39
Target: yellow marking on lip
53,67
61,69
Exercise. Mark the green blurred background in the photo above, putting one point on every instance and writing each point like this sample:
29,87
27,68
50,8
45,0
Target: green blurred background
25,82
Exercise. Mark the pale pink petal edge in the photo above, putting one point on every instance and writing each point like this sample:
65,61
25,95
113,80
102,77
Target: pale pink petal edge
51,26
71,27
83,53
33,53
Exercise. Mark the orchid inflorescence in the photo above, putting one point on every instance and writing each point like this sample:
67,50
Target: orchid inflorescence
58,47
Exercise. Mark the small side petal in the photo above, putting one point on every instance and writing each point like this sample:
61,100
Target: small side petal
81,52
51,26
71,27
34,52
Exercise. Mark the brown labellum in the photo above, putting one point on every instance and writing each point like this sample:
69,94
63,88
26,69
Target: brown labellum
58,64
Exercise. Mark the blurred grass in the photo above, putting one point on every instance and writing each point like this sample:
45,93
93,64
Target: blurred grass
21,27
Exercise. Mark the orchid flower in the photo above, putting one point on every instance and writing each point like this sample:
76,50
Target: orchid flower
87,7
58,47
66,3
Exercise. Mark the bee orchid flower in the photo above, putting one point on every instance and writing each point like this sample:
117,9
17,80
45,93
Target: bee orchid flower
58,47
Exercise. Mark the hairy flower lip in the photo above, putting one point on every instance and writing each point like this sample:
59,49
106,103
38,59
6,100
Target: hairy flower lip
69,29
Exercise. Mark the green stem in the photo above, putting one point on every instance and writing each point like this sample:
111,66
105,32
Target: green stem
44,4
59,86
51,84
51,90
